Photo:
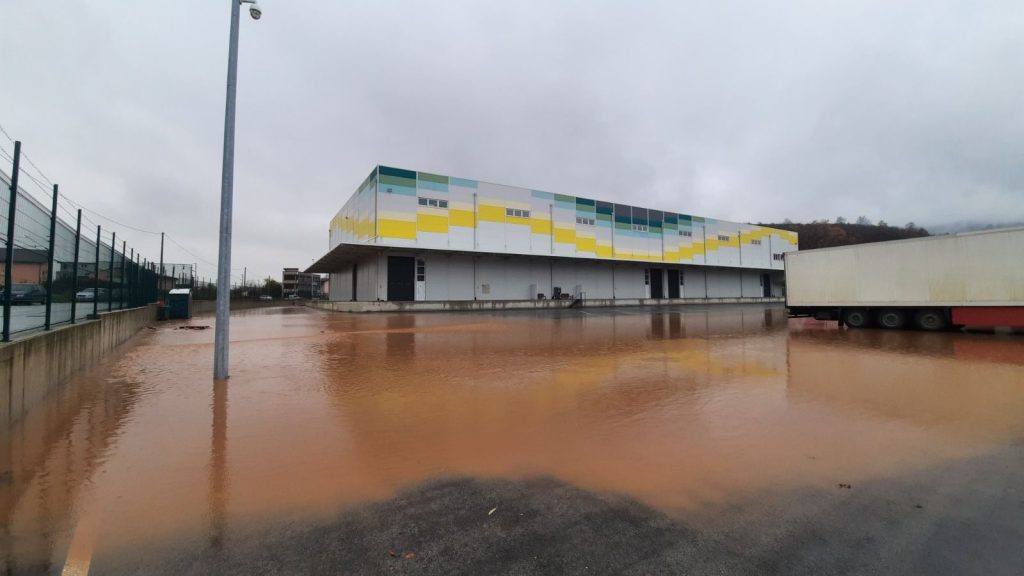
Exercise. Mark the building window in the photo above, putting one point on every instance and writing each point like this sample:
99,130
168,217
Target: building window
517,213
723,238
777,257
755,242
433,202
640,227
421,270
585,221
686,233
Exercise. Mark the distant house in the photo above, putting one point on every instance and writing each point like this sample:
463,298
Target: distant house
29,266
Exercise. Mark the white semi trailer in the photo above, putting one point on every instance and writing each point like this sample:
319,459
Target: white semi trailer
933,283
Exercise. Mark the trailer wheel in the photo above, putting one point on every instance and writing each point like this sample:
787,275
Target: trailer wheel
857,318
892,319
932,320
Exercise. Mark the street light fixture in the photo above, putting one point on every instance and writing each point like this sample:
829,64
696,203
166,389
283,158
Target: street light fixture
220,341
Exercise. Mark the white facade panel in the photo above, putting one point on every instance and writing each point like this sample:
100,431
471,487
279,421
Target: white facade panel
460,278
751,284
694,282
629,281
724,283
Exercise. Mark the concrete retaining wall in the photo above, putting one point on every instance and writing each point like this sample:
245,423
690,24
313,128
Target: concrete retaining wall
31,367
210,306
465,305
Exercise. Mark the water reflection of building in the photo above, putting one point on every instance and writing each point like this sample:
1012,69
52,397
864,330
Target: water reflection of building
421,395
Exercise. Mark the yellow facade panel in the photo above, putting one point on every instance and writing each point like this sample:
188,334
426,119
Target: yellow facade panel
540,225
584,244
565,235
402,229
432,223
463,218
489,213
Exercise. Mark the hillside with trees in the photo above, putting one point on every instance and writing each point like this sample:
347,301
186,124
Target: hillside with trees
822,233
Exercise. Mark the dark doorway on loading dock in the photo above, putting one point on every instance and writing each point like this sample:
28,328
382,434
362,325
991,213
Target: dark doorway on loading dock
673,283
657,286
766,285
355,281
401,273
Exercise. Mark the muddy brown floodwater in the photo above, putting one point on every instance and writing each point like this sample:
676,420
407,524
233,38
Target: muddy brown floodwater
684,410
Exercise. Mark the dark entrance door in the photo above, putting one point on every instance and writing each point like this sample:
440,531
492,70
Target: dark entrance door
401,270
673,283
766,285
657,286
355,281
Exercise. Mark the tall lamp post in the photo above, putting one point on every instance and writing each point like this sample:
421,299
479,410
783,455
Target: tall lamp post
220,341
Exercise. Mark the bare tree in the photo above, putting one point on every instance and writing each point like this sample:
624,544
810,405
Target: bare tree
841,220
863,221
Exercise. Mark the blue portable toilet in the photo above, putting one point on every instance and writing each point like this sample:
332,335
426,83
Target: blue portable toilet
179,303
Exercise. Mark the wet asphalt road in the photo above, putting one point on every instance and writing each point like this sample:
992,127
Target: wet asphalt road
966,518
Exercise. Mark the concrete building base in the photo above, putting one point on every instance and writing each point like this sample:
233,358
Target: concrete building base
33,366
471,305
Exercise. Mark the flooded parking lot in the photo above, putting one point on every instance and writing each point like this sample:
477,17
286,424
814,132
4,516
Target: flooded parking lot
722,426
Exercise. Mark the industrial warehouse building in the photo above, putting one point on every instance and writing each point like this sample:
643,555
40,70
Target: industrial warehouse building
415,236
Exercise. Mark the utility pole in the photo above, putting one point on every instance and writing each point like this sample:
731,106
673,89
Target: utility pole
221,332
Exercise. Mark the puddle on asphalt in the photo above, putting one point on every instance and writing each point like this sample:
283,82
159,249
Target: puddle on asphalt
682,409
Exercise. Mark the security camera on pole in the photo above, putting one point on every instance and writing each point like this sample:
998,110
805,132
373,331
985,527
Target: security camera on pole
220,342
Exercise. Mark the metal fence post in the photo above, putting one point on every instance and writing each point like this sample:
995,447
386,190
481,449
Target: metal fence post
140,276
126,276
160,273
110,279
96,276
138,279
49,260
74,279
130,292
9,260
124,280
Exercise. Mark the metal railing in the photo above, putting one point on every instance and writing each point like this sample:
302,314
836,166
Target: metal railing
57,269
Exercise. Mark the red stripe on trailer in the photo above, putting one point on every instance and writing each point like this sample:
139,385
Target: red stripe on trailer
1010,316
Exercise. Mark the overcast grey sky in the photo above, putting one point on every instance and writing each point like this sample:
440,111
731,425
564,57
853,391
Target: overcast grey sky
751,111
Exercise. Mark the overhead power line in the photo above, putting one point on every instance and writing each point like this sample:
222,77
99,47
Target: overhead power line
82,207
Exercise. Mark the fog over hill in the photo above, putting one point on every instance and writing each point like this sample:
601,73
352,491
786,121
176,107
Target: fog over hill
970,226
